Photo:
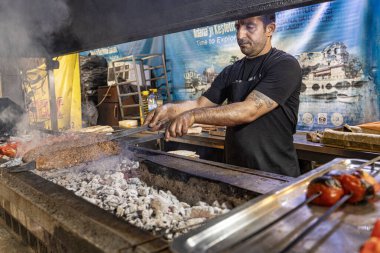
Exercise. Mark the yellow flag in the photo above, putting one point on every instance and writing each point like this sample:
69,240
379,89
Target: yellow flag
67,92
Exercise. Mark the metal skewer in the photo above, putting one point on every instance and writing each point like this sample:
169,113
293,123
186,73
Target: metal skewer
375,173
293,210
316,223
132,131
370,162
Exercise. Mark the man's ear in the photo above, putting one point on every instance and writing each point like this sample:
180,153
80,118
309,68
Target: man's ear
270,29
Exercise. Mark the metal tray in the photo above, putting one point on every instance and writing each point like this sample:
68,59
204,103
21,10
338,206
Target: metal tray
344,231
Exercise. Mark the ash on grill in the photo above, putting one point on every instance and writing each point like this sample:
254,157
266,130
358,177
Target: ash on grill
115,186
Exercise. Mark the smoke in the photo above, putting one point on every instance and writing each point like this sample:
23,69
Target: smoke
28,27
10,115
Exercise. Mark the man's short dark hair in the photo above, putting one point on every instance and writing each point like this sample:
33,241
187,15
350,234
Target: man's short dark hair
268,18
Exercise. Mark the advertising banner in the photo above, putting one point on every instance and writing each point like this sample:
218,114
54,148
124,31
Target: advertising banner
67,91
332,43
148,46
336,44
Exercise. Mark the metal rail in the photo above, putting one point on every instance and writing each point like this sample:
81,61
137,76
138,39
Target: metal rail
162,235
370,162
316,223
293,210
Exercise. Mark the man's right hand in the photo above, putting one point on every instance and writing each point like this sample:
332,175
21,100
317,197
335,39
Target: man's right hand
160,114
169,111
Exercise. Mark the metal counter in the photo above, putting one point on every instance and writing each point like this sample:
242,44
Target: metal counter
247,229
306,150
50,218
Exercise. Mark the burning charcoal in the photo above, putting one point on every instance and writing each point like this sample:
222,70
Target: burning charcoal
163,194
108,191
201,203
119,211
162,223
132,208
224,206
134,180
217,210
192,222
181,224
187,212
145,215
148,199
131,216
181,211
117,177
138,223
173,208
141,207
80,192
132,192
140,201
184,205
118,190
131,186
216,204
173,199
159,215
130,165
107,180
62,182
169,237
91,200
202,212
159,203
113,201
176,218
143,191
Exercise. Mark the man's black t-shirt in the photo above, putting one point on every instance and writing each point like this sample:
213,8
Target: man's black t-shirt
267,142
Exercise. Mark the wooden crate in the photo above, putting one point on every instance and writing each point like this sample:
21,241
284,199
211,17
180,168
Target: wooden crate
357,141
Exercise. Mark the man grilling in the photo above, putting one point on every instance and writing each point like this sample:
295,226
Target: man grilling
262,91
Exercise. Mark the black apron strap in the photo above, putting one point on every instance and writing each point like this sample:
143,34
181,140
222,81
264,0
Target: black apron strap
258,77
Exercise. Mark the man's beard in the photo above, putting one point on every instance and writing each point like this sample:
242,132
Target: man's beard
252,50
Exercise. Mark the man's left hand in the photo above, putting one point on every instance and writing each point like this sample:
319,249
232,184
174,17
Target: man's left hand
180,125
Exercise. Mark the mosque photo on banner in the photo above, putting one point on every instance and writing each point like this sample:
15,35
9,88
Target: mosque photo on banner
338,71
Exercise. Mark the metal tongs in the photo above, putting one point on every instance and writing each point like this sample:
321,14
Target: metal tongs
122,134
129,132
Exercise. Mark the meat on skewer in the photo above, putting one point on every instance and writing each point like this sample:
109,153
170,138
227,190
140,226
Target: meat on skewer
330,188
368,178
355,183
372,245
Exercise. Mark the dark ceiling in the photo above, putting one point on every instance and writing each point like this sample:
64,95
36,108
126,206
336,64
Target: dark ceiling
56,27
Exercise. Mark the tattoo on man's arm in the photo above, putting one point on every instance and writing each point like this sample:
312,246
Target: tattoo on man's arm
260,99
